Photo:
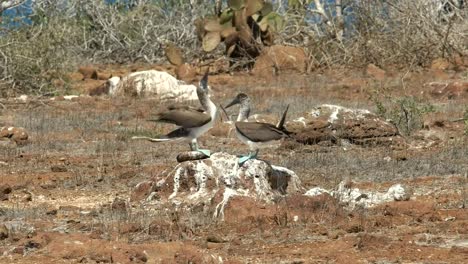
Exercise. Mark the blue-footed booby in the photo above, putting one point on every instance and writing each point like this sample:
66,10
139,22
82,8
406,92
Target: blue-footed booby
256,134
192,122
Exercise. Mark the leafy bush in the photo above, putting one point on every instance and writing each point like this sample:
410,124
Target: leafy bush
406,113
36,57
58,36
398,33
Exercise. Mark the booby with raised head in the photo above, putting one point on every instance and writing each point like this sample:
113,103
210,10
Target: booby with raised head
192,122
256,134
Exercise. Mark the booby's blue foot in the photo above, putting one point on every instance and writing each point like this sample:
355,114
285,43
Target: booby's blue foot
206,152
243,159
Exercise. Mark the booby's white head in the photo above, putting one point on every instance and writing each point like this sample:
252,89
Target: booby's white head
244,102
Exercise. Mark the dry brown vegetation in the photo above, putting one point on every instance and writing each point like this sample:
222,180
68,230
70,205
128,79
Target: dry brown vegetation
36,56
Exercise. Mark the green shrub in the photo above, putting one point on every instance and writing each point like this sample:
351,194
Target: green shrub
406,113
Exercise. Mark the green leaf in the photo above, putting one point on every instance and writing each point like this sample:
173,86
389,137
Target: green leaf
228,31
266,9
236,4
174,54
211,41
256,17
294,4
212,25
253,6
226,16
273,21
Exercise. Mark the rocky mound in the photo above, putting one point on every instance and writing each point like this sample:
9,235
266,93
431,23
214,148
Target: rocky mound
12,136
335,124
215,180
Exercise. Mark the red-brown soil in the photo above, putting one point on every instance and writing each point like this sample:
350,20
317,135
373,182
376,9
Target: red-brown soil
71,183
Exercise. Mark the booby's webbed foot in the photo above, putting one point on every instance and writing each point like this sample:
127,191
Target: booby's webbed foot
243,159
206,152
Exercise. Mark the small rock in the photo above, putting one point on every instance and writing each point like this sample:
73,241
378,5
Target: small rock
119,204
400,155
215,239
23,98
18,250
210,245
142,190
88,72
100,89
58,168
52,212
138,256
48,185
27,197
16,134
316,191
450,218
104,76
277,58
3,232
5,190
31,245
399,192
335,234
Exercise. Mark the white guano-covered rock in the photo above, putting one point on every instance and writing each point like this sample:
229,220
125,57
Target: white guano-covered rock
215,180
152,83
353,197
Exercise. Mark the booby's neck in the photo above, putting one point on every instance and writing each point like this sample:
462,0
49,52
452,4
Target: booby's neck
244,111
206,102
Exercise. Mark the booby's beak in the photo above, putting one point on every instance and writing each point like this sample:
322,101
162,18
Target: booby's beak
234,102
204,81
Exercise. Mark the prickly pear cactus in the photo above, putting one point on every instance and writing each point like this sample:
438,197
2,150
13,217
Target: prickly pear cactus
242,26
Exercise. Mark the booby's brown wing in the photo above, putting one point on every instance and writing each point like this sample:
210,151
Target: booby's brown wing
184,107
183,118
259,132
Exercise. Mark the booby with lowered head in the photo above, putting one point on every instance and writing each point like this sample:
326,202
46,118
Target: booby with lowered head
256,134
192,122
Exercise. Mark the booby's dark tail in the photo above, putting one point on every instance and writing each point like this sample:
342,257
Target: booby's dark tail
175,135
282,121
